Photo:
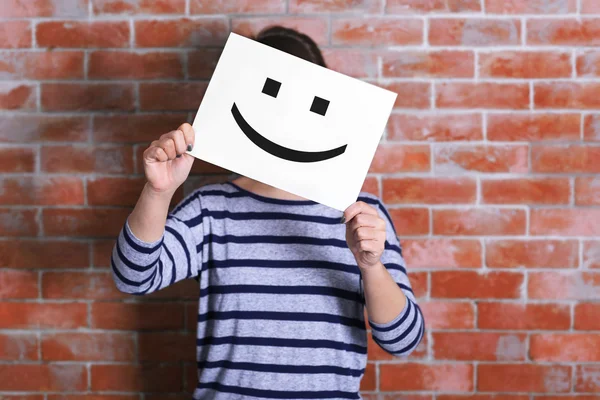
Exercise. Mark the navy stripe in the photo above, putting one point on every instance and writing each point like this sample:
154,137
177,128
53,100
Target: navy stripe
173,267
261,263
281,316
412,344
397,324
278,342
282,369
396,248
271,200
405,333
260,289
137,247
131,264
182,243
261,216
396,267
277,394
128,281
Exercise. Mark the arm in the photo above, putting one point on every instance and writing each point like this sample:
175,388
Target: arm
153,252
396,320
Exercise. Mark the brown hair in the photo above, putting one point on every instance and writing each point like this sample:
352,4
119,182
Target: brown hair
291,42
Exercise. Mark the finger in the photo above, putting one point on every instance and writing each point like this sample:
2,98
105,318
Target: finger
358,208
368,220
364,233
155,154
369,245
179,139
168,145
188,133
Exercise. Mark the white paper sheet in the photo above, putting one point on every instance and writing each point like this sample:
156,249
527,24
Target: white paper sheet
279,140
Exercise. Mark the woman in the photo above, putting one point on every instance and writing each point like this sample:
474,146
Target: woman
283,282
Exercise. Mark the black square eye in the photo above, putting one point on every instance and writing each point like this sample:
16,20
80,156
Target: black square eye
319,105
271,87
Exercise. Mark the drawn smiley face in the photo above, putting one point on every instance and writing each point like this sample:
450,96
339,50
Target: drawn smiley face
319,106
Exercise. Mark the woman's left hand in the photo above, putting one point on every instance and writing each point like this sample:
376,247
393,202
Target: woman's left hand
365,234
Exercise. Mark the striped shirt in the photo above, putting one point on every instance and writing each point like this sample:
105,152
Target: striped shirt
281,307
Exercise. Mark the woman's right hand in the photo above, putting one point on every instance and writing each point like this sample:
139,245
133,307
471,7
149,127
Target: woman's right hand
166,164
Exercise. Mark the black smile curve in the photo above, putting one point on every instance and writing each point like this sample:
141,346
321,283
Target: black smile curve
280,151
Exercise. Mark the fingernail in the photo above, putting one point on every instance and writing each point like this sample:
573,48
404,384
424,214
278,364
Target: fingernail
189,148
178,156
343,220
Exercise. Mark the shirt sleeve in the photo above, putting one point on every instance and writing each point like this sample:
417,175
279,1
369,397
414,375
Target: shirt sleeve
140,267
403,334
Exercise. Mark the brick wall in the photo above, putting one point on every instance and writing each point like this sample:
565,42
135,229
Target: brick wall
489,166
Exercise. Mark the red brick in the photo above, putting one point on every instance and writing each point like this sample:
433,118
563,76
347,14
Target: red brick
138,6
525,65
429,190
98,222
523,378
18,222
42,65
533,127
315,27
47,128
432,6
591,254
183,32
516,316
135,128
479,346
40,377
586,317
102,250
590,6
530,6
44,8
31,190
87,159
591,127
133,378
418,281
14,159
448,315
202,63
43,254
371,185
486,397
15,34
565,347
564,32
435,64
93,397
565,222
80,285
526,191
435,127
42,316
588,63
566,159
410,94
564,285
18,285
480,221
570,95
88,347
18,347
587,191
165,347
88,34
322,6
485,158
171,96
412,376
191,313
132,316
238,7
410,221
532,253
114,191
476,285
352,62
586,379
482,95
474,32
369,379
442,253
87,97
127,65
376,31
17,96
391,158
